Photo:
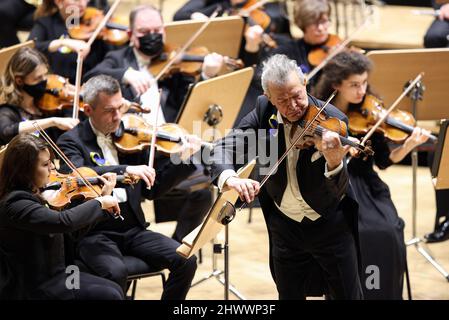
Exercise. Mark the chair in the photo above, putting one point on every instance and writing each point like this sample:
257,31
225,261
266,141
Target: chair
137,269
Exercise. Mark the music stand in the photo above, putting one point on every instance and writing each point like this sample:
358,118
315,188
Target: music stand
405,65
221,214
227,29
215,103
7,53
209,110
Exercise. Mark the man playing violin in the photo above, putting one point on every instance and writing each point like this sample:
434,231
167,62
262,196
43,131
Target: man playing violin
51,34
130,65
308,204
90,144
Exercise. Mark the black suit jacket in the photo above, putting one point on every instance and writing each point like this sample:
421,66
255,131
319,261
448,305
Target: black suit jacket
324,195
32,244
80,143
174,88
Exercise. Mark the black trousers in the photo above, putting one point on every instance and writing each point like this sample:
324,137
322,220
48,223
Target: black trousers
187,208
299,249
91,287
14,15
103,253
436,35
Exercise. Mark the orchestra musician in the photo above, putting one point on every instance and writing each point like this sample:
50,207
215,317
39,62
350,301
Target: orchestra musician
23,84
32,260
381,230
313,18
308,204
90,145
52,38
129,66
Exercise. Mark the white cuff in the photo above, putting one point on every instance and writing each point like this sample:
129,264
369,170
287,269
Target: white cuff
120,195
225,175
329,174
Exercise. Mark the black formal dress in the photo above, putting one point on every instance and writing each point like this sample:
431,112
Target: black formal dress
102,250
10,118
298,248
438,32
63,62
32,262
381,230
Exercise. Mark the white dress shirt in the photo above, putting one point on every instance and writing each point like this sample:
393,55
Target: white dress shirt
111,157
151,97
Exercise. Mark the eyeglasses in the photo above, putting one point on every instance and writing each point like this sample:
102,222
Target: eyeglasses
323,22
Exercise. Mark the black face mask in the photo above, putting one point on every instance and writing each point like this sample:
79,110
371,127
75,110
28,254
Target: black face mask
36,90
151,44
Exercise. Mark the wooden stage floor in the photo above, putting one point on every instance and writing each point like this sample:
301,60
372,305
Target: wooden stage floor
249,271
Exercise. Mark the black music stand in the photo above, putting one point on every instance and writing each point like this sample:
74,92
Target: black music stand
221,214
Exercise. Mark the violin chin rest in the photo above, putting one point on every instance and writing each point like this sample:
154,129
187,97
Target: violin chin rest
120,131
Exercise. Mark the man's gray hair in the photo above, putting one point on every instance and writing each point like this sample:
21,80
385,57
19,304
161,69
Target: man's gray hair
276,70
99,84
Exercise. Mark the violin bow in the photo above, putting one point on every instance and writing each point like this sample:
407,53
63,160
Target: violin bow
257,5
66,160
187,44
297,139
79,60
387,113
335,51
153,138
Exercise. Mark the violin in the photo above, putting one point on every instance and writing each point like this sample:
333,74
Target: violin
191,61
63,188
115,31
396,127
255,16
318,54
135,134
320,125
58,95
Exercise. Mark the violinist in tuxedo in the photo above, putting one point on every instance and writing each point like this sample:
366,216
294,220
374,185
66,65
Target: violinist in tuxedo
308,204
90,144
130,65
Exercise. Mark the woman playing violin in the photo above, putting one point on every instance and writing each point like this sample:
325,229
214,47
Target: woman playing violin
381,230
52,38
23,84
31,234
313,18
